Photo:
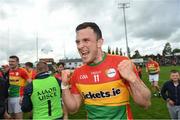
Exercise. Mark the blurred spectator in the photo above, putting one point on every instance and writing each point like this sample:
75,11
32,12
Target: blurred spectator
3,96
171,93
5,72
58,76
139,70
30,70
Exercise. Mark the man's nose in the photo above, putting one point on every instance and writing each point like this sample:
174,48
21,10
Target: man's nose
81,44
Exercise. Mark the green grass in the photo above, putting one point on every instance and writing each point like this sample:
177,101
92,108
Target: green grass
158,109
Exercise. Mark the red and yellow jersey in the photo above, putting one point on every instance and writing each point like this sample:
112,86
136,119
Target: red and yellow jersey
32,74
58,76
152,67
17,81
104,91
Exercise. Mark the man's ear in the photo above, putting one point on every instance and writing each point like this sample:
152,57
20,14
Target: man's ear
100,42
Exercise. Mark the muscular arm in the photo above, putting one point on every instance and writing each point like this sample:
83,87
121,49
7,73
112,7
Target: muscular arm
71,101
140,93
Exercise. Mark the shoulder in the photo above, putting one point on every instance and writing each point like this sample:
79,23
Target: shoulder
155,62
109,56
22,70
84,66
167,83
115,59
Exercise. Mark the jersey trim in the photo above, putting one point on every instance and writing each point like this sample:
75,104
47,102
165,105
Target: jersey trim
103,58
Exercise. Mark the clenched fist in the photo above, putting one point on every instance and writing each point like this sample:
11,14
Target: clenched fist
66,74
126,69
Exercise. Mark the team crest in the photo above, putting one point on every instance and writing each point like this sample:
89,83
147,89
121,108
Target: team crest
111,72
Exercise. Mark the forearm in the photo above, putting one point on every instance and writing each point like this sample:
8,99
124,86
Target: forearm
71,102
163,93
140,93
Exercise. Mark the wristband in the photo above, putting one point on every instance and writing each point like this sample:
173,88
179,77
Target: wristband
64,86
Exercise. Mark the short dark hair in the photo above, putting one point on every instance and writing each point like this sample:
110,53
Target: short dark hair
60,63
174,71
29,64
42,67
93,26
14,57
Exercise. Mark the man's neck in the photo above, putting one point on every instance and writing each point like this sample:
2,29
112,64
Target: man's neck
99,57
176,83
15,68
29,69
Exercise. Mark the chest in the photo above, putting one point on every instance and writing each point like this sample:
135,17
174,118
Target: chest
151,65
94,75
174,89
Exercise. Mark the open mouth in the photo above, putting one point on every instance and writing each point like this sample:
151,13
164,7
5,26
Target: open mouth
84,54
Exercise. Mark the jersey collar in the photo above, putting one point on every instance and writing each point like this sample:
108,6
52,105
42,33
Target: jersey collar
103,58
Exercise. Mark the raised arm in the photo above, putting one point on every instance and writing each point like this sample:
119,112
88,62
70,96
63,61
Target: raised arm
140,93
71,101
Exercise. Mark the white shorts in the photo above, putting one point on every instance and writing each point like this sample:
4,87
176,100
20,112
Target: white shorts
13,105
154,77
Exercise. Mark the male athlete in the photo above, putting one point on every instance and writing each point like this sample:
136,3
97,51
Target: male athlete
60,67
17,80
30,70
152,68
104,82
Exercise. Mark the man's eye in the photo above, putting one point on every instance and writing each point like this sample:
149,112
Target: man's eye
86,40
77,42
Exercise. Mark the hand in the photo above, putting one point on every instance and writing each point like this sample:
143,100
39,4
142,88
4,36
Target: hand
7,116
170,102
126,70
20,100
66,74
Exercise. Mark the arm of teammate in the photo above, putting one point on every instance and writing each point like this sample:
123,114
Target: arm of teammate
25,76
71,101
140,93
158,67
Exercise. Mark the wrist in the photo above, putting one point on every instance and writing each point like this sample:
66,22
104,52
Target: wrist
133,80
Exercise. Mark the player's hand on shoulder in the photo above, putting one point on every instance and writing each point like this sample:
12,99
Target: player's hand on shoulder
126,69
